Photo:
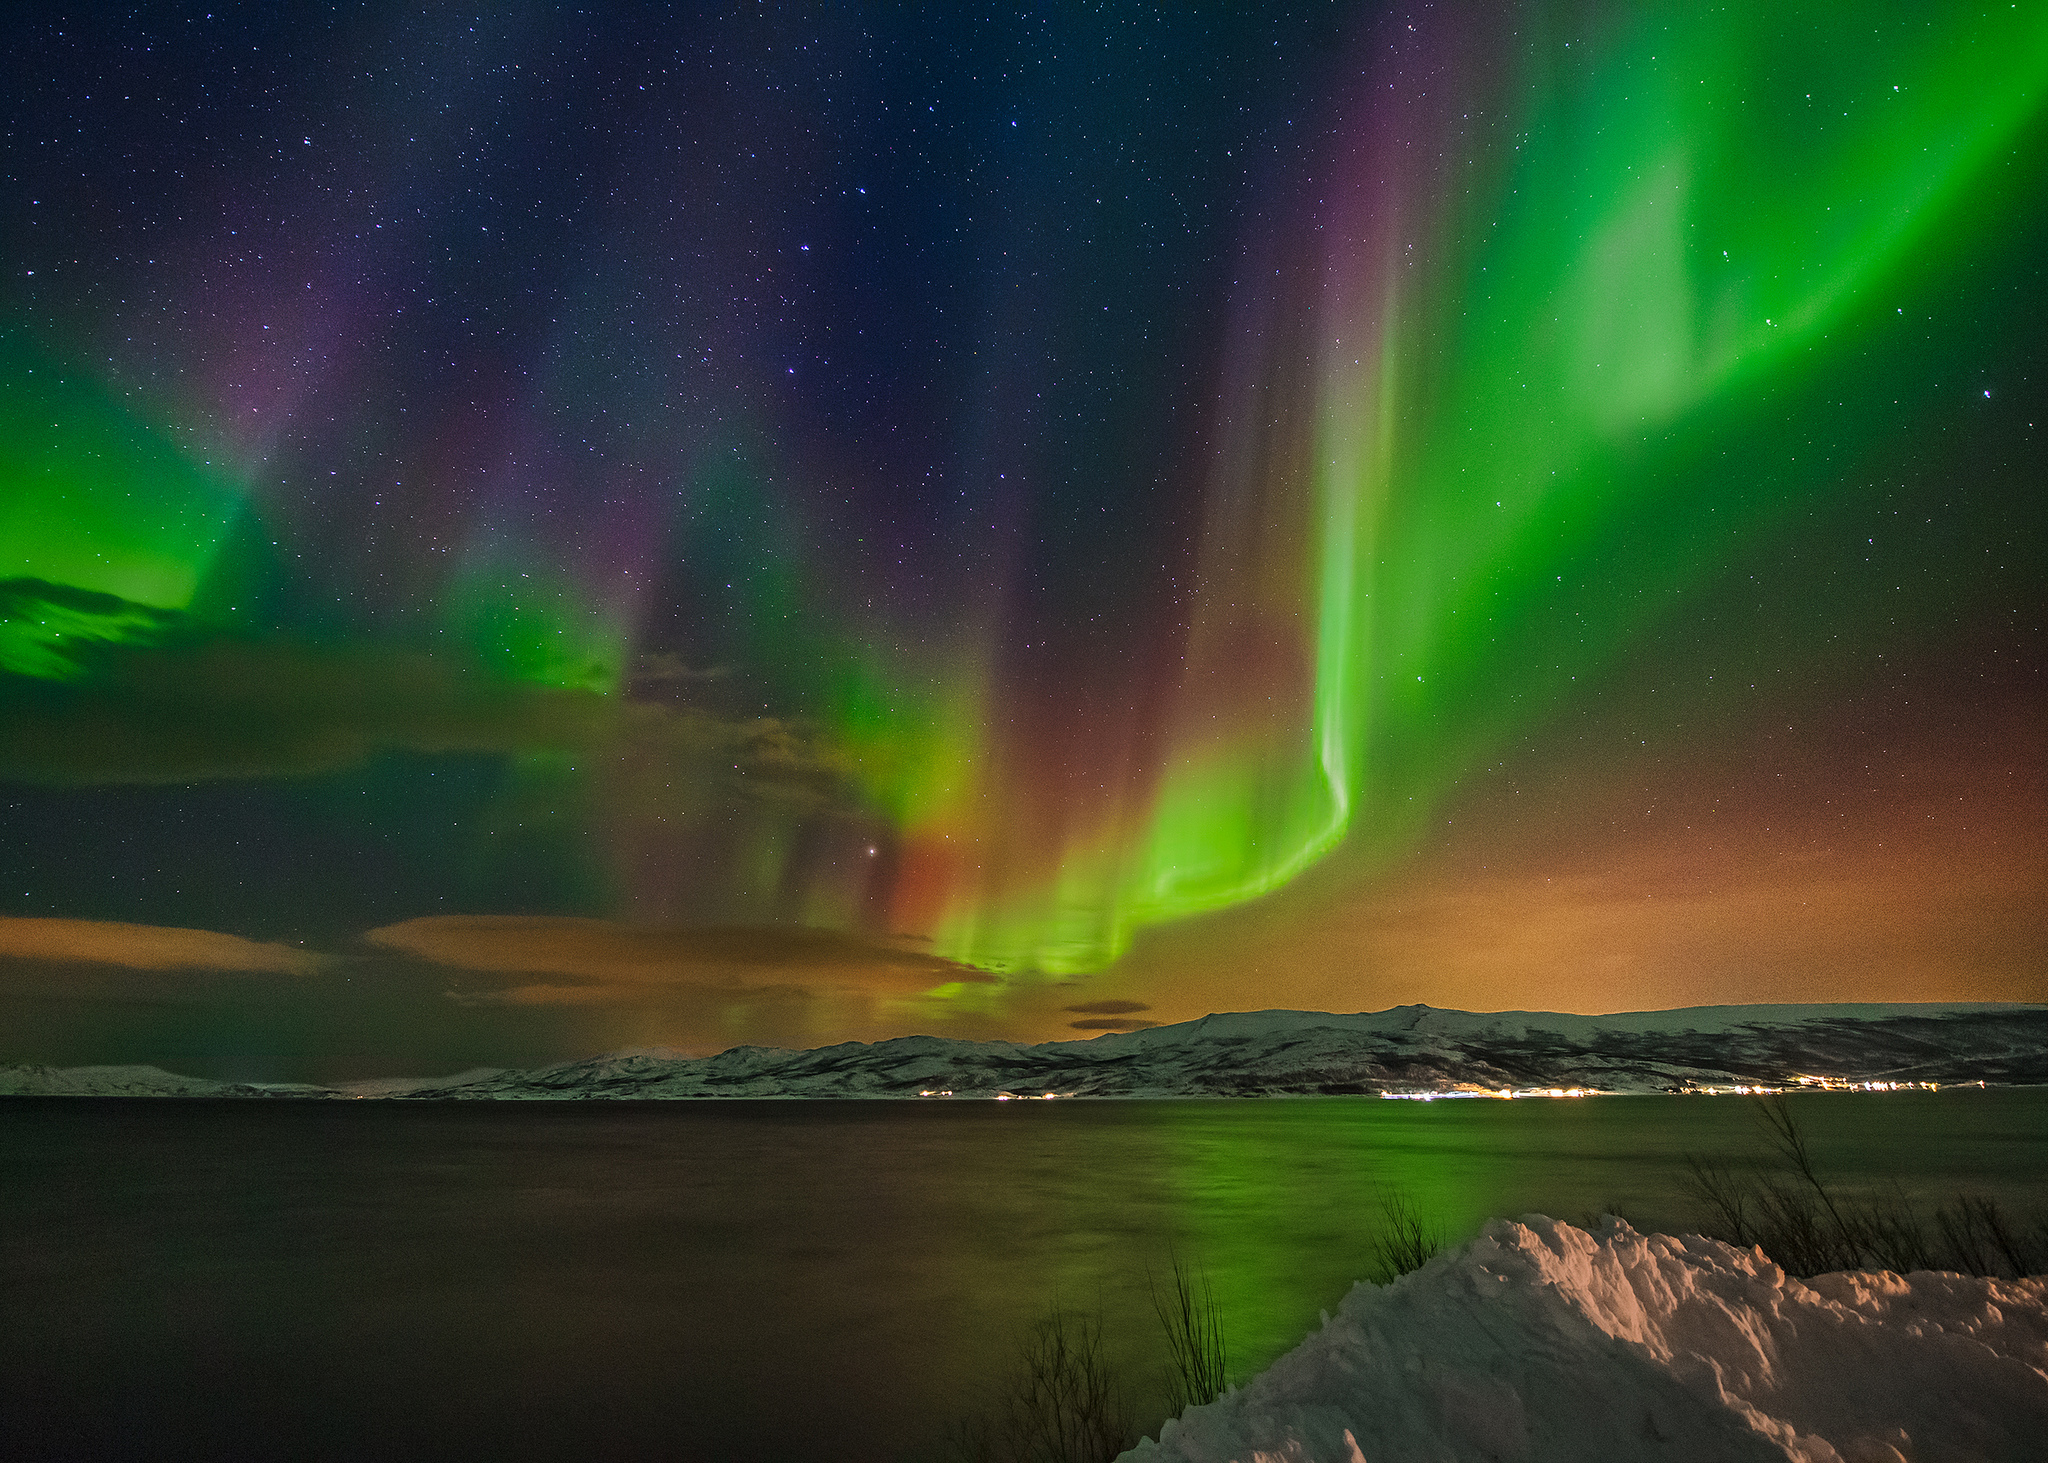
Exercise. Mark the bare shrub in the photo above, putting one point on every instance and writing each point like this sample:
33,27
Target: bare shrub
1985,1242
1070,1408
1725,1194
1059,1404
1801,1221
1406,1240
1194,1339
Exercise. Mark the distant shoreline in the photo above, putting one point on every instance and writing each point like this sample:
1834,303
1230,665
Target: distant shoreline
1410,1052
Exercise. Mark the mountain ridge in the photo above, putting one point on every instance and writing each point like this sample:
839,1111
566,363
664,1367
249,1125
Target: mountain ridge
1411,1049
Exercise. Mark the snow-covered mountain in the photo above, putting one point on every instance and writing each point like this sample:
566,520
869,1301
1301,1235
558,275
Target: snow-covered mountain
1256,1053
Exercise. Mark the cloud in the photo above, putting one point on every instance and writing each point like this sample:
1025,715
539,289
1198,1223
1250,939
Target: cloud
43,624
659,667
601,962
99,689
661,756
1107,1008
216,708
147,947
1111,1025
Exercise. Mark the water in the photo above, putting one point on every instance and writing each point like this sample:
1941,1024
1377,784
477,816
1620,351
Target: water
760,1280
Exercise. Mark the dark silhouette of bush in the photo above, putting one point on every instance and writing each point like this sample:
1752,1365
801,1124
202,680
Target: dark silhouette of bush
1196,1355
1406,1240
1785,1208
1060,1404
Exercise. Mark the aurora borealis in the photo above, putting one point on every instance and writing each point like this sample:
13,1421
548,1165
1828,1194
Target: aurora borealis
532,532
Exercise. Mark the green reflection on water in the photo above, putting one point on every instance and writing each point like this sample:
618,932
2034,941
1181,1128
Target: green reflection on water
1254,1186
562,1279
1281,1201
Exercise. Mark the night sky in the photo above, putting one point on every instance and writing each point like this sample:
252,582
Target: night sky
532,531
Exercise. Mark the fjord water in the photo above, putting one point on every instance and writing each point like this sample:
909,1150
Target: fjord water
763,1280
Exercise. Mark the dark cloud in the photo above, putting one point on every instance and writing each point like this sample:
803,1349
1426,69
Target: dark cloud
96,689
200,709
360,1017
1107,1008
44,625
664,667
595,961
210,1004
1111,1025
661,758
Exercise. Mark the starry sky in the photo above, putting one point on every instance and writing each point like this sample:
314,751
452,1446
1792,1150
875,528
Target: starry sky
528,531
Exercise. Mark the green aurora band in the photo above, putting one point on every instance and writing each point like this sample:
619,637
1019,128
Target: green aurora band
1532,377
1522,360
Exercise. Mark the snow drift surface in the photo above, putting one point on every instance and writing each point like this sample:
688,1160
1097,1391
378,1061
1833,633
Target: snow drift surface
1539,1341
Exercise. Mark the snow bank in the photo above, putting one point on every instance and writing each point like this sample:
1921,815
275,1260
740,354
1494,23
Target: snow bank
1540,1341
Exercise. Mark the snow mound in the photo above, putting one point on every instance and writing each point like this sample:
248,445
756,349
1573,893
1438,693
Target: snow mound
1539,1341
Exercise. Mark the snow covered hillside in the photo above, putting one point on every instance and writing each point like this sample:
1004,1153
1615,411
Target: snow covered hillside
1259,1053
1541,1342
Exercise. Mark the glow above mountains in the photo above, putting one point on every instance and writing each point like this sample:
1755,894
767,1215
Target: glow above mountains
936,485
